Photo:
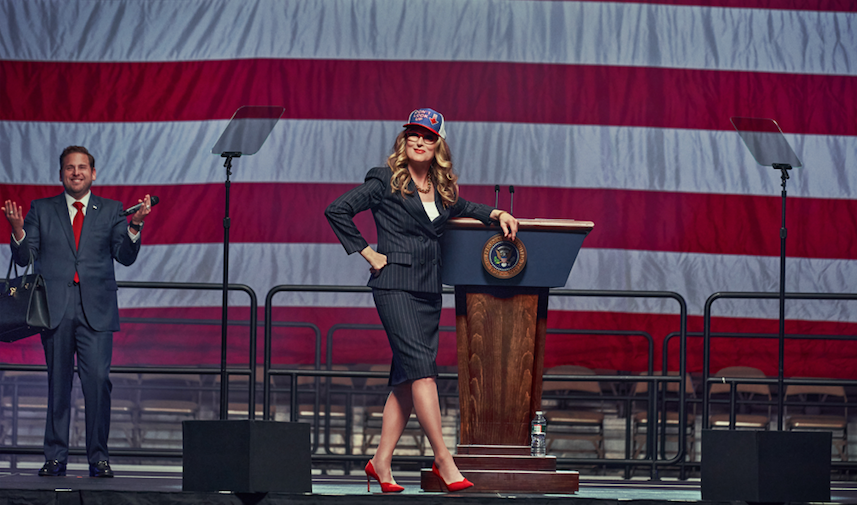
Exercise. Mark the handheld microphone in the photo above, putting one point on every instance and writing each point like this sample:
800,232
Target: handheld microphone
135,208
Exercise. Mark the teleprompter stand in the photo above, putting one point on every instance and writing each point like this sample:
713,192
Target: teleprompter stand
244,135
769,147
500,330
244,456
763,466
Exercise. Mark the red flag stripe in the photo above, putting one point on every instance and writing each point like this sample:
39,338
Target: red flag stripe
625,219
501,92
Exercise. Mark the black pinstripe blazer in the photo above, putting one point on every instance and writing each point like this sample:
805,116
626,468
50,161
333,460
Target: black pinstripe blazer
405,234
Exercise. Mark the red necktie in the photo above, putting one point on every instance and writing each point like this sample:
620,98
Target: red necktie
77,226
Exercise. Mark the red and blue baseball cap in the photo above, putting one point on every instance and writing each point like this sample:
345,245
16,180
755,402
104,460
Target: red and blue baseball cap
429,119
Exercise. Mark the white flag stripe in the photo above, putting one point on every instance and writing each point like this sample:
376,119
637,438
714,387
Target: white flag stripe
540,155
694,276
587,33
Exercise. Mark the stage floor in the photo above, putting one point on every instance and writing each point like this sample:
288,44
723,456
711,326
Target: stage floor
24,486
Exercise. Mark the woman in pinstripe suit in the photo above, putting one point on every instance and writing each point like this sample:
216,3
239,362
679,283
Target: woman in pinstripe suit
411,200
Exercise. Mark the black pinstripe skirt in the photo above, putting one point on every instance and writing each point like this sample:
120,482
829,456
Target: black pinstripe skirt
411,321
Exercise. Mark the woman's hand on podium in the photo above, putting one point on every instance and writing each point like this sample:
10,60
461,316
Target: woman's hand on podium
507,222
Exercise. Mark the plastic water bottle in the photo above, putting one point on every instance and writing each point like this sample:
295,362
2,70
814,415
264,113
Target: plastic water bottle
537,434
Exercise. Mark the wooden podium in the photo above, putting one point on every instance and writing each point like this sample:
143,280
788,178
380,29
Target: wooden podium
501,316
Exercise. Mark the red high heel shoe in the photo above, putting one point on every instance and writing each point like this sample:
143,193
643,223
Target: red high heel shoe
386,487
453,486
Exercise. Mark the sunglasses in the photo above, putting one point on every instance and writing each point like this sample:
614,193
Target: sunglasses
428,137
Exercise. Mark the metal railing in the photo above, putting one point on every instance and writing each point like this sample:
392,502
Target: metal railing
706,344
656,381
249,371
780,383
252,323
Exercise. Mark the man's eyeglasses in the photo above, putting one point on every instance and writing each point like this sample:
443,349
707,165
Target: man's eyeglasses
428,137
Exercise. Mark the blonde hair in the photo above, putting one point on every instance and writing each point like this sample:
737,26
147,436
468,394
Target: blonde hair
441,173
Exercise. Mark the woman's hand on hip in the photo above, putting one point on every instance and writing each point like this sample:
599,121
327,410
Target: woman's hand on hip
377,261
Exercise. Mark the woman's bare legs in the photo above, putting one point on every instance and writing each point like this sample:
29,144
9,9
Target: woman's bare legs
422,395
397,410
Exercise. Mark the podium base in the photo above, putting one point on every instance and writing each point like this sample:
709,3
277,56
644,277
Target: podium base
506,469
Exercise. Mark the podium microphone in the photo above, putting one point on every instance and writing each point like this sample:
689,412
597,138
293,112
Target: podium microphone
496,196
511,200
135,208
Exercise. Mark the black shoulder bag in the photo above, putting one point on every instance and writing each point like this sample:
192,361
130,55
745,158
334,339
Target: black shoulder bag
23,304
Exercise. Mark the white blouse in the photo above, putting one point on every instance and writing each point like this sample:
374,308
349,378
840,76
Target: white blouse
431,210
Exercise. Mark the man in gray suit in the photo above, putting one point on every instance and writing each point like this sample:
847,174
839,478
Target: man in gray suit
74,238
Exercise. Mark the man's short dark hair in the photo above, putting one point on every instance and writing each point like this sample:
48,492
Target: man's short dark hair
76,149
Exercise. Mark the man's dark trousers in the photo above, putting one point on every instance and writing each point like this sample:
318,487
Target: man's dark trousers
94,350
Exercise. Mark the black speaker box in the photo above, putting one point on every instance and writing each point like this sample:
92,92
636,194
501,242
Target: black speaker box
246,456
766,466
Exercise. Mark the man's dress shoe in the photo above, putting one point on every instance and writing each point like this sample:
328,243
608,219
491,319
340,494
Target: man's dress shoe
100,469
52,468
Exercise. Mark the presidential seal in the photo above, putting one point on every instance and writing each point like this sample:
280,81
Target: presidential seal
504,258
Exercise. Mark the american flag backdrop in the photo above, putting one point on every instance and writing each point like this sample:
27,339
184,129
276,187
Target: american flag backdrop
612,112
